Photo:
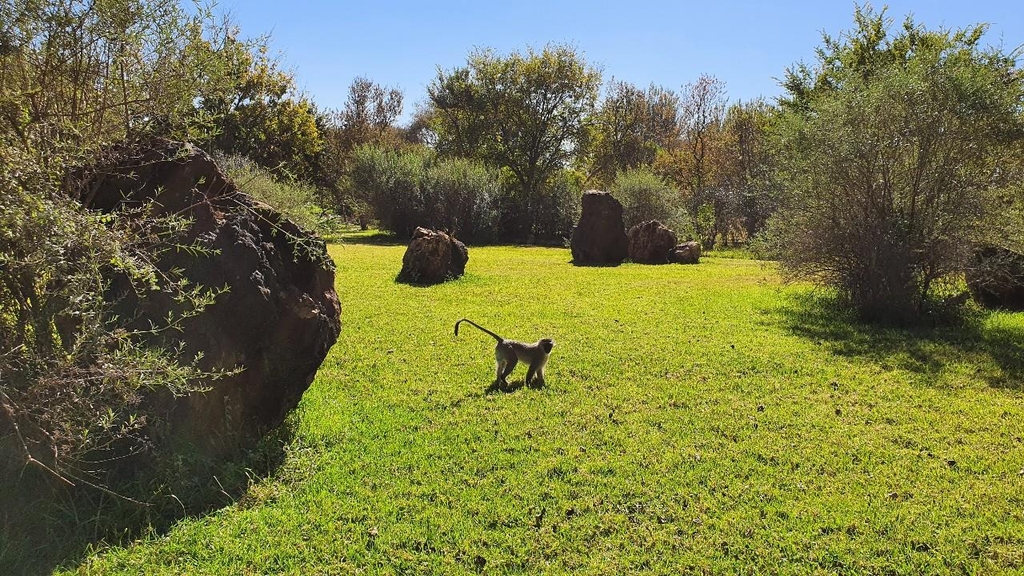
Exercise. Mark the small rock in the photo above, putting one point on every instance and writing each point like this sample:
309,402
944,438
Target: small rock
686,253
651,243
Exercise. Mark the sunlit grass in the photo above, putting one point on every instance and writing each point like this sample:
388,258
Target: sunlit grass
695,418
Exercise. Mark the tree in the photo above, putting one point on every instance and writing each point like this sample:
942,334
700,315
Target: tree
368,118
631,126
370,111
525,113
702,114
747,170
695,164
892,160
255,110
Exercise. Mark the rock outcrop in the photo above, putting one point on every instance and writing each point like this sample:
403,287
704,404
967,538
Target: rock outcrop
651,243
433,257
279,316
686,253
600,236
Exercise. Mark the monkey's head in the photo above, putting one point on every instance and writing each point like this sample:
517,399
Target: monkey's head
547,344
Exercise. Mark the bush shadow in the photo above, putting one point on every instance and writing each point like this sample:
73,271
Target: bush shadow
926,348
46,525
596,264
369,239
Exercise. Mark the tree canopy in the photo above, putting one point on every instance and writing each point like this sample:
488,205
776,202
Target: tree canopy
527,113
893,146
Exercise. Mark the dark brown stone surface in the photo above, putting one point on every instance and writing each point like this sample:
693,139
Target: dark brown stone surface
600,236
280,315
686,253
651,243
433,257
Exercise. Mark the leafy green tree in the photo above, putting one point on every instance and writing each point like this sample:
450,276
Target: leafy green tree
368,118
747,174
631,126
525,113
893,148
255,111
703,112
369,113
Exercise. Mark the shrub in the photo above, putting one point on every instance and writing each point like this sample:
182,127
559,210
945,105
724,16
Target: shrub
72,373
647,196
556,209
463,193
890,164
411,188
298,201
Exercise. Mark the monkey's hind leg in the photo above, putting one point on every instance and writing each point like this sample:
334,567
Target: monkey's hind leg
506,361
509,367
502,369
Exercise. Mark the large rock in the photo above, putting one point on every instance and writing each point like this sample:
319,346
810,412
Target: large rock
651,243
996,278
279,316
686,253
600,236
433,257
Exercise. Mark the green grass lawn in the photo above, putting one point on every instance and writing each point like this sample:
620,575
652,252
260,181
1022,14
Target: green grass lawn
695,419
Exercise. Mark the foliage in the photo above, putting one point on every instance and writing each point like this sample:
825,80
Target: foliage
630,127
298,201
368,118
702,419
255,111
646,196
893,157
524,113
553,212
747,172
74,373
76,77
701,118
412,188
369,113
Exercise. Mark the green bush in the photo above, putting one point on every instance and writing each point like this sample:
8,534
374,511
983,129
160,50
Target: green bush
646,196
459,195
298,201
891,163
411,188
73,374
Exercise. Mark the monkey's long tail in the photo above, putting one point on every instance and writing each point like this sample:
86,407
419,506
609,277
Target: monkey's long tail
493,335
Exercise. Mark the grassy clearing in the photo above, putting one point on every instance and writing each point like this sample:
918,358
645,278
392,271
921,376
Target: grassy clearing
696,418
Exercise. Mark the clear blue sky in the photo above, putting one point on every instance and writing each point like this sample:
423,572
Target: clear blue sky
746,44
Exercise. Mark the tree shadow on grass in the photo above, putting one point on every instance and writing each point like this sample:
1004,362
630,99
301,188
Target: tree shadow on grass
996,349
45,525
374,238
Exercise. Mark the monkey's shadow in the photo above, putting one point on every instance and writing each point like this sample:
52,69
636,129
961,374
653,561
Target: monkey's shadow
497,387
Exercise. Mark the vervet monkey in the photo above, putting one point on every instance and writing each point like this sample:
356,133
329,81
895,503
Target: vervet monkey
508,352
